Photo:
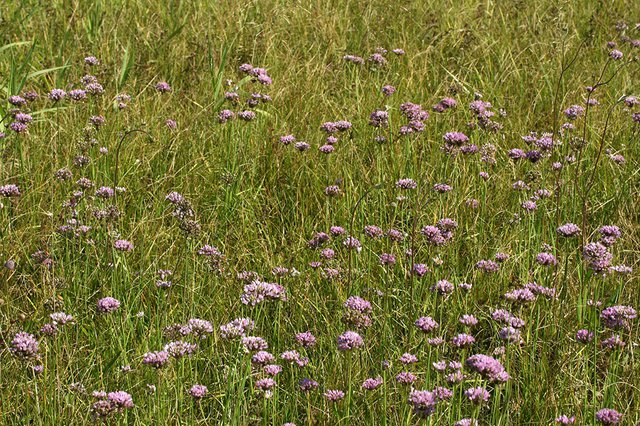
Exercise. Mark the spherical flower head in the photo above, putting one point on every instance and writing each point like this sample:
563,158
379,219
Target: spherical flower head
302,146
307,385
358,304
225,115
408,358
306,339
443,287
477,395
442,188
198,391
455,138
24,346
565,420
466,422
254,343
423,402
406,378
247,115
379,118
334,395
78,95
287,139
426,324
9,190
597,256
91,61
350,340
57,95
107,305
488,367
387,259
332,190
163,87
488,266
406,184
568,230
61,318
199,327
462,340
262,358
608,416
420,269
352,243
574,111
123,245
377,59
372,383
171,124
388,90
18,101
18,127
468,320
618,316
615,54
179,349
120,399
546,259
155,359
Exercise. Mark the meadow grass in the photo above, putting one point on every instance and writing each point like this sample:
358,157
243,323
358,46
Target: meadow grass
260,202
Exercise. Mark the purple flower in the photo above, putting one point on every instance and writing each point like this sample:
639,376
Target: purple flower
287,139
462,340
597,256
265,384
24,346
120,399
163,87
179,348
9,190
156,359
546,259
246,115
198,391
107,305
584,336
608,416
406,184
408,358
565,420
488,367
423,402
426,324
307,385
57,95
123,245
406,378
254,343
236,328
388,90
488,266
349,340
334,395
568,230
618,316
372,383
379,118
443,287
477,395
615,54
306,339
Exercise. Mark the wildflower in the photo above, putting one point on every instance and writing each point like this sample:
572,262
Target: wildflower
584,336
568,230
618,316
334,395
488,367
24,346
179,349
254,343
487,266
565,420
608,416
307,385
462,340
9,190
107,305
408,358
546,259
236,328
423,402
156,359
349,340
198,391
123,245
477,395
426,324
247,115
597,256
163,87
372,383
388,90
57,95
406,378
